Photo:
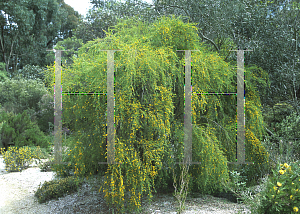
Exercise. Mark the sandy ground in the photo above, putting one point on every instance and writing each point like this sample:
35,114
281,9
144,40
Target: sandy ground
17,188
17,197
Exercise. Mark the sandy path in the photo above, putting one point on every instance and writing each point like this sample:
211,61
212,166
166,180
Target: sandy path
17,189
17,197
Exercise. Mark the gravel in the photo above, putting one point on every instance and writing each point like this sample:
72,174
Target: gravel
17,197
17,188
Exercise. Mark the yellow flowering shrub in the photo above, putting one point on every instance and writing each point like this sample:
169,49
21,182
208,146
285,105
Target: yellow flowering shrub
149,111
282,190
16,159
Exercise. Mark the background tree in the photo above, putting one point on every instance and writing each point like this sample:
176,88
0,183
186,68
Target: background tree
3,73
19,94
72,46
29,27
97,20
30,72
69,21
105,14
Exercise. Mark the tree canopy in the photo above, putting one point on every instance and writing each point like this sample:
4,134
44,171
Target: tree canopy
28,28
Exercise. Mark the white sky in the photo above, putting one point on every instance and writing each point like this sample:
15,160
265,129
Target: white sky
82,6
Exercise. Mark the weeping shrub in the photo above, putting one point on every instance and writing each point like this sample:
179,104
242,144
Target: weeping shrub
149,110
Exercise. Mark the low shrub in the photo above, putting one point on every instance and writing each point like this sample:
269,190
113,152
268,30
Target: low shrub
63,170
18,130
46,166
282,194
57,188
182,191
16,159
66,168
233,187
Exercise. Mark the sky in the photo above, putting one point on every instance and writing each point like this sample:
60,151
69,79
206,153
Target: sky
82,6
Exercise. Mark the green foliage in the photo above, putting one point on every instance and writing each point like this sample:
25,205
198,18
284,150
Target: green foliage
276,114
181,193
285,141
261,26
288,129
149,106
3,73
16,159
174,33
256,153
72,157
45,114
57,188
96,21
71,45
69,19
20,94
30,72
31,25
30,28
46,166
282,190
235,184
19,130
213,168
106,14
63,170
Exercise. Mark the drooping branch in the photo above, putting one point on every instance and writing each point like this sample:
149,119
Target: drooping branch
208,39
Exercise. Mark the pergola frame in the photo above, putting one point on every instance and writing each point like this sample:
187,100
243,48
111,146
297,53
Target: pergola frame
187,109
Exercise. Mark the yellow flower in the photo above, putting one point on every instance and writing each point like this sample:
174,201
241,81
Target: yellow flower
291,197
295,209
273,196
285,165
279,184
281,172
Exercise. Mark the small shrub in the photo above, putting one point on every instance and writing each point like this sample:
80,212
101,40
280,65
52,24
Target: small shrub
19,130
184,182
41,152
18,159
235,186
282,194
47,166
57,188
64,169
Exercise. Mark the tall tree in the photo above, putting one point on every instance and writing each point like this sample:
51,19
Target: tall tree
106,14
29,27
276,45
